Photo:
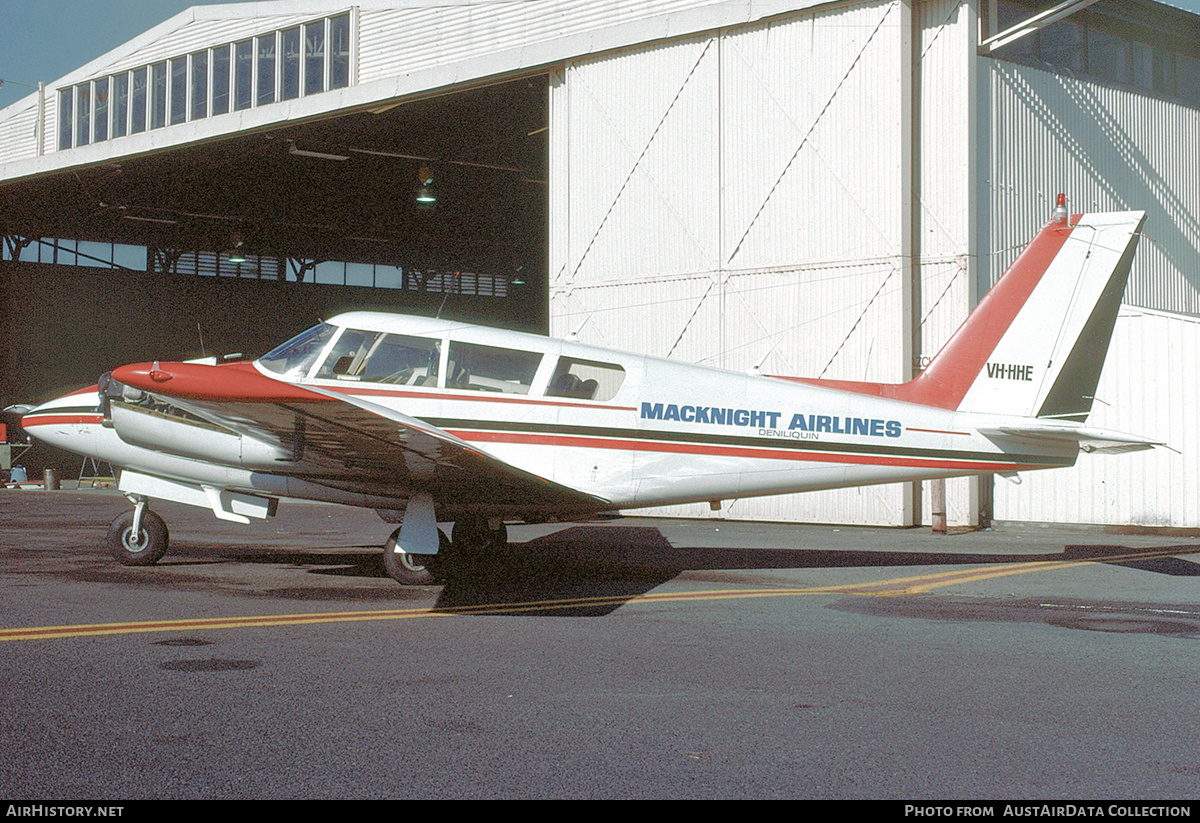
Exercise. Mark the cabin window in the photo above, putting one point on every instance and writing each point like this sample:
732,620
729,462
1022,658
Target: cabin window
491,369
585,379
376,357
295,358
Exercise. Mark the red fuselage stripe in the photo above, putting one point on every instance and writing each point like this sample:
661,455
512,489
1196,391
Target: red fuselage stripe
620,444
60,419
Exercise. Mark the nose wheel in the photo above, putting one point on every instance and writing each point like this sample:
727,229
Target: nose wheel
138,537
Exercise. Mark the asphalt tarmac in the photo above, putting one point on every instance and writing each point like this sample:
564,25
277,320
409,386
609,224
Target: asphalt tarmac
628,658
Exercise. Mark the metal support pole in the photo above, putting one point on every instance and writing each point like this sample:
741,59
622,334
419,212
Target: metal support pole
937,504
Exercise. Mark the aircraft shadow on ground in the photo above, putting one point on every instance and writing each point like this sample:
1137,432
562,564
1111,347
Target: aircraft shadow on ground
588,570
592,570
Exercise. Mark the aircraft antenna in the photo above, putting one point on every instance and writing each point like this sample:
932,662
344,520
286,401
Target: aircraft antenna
574,335
757,367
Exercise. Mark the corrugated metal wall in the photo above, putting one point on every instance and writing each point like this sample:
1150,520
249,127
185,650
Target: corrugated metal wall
197,35
404,40
734,199
1107,148
945,193
18,135
187,38
1148,387
472,39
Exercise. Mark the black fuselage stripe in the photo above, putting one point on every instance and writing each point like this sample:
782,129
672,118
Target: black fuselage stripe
783,444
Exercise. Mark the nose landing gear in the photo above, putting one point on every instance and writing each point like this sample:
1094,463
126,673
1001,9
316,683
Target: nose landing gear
138,537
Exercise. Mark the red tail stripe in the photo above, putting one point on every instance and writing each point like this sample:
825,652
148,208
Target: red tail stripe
945,383
950,375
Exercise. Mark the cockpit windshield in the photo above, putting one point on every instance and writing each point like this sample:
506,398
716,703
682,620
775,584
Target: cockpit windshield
379,357
295,358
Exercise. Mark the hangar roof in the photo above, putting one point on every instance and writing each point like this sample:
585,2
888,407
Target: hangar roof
323,169
398,50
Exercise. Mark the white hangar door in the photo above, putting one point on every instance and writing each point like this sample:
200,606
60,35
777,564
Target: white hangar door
735,199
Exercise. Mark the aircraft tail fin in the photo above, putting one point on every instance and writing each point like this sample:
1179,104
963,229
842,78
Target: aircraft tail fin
1035,344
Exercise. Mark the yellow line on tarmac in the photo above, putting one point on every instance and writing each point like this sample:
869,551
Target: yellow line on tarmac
882,588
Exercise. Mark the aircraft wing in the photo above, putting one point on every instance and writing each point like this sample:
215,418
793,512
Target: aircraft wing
1089,439
349,443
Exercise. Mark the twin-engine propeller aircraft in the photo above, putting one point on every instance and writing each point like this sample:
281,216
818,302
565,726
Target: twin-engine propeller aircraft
437,421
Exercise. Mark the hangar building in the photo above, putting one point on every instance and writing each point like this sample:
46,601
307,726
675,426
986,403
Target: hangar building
805,188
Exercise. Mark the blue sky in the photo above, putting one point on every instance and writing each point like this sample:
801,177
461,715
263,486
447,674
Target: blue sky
45,39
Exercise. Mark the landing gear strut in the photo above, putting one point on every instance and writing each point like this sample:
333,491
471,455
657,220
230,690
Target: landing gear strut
138,537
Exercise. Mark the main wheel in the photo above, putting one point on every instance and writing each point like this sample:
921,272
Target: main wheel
472,536
143,549
410,569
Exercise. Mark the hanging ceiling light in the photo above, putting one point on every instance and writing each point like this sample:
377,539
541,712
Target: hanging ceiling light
238,253
426,196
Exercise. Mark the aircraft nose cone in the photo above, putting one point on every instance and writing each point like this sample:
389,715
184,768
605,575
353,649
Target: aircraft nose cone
53,420
38,423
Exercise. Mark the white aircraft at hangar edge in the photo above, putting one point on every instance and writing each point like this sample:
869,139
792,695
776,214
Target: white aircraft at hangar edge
450,422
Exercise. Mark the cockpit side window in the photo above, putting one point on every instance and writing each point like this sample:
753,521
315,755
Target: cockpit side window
585,379
377,357
295,358
488,368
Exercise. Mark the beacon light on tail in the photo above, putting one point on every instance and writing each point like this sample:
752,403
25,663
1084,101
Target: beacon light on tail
449,422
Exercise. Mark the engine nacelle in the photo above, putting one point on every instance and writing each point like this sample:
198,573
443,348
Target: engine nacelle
151,429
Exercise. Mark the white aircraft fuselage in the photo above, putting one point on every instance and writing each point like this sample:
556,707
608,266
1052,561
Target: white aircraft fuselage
671,433
451,421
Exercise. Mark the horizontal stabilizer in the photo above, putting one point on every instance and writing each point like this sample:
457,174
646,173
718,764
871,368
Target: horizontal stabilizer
1089,439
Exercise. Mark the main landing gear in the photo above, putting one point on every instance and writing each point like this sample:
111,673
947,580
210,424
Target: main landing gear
408,568
472,538
138,537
